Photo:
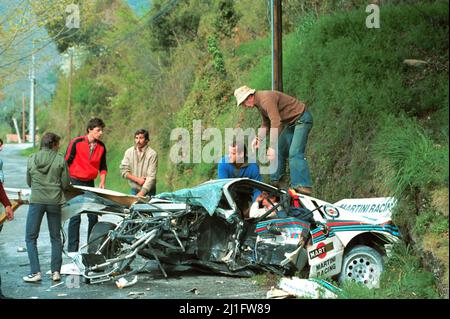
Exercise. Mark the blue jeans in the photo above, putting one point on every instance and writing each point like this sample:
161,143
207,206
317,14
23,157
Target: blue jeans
292,145
75,221
33,225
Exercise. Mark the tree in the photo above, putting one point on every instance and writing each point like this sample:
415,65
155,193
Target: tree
19,30
227,18
83,25
22,32
174,22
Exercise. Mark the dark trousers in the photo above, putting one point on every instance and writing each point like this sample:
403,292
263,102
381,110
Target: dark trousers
74,223
34,219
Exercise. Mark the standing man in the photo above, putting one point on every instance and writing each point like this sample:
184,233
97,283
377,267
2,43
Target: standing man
140,165
235,165
86,157
2,176
48,177
281,111
9,215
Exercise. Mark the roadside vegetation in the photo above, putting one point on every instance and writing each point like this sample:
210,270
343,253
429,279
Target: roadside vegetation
380,123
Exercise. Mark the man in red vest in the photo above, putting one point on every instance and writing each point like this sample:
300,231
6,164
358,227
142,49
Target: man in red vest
86,157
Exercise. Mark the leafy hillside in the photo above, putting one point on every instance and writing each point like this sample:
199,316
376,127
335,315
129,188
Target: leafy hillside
380,123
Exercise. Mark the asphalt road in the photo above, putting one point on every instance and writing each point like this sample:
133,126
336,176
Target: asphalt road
151,285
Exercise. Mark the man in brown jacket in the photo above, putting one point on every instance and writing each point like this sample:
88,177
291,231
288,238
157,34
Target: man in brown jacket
282,113
139,165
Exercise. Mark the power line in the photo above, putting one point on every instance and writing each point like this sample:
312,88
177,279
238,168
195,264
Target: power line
50,41
31,33
44,88
13,11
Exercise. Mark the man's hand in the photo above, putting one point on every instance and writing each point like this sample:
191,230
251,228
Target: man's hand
140,194
9,213
271,154
259,198
140,180
102,181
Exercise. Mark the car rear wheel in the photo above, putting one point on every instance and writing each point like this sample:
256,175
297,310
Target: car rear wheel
98,235
364,265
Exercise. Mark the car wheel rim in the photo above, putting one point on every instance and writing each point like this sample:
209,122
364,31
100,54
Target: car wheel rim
363,268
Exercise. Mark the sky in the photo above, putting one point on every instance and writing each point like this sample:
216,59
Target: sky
140,6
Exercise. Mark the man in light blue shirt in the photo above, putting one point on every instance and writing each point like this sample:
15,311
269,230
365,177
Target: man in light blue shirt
236,165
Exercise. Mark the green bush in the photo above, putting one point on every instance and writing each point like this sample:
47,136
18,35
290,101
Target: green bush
218,62
431,222
416,160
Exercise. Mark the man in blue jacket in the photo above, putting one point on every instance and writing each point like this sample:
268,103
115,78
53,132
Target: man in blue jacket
236,165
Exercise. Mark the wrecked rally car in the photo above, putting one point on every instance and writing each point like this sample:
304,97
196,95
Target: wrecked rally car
208,227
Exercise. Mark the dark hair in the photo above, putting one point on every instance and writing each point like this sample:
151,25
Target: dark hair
144,132
1,141
95,122
239,148
49,140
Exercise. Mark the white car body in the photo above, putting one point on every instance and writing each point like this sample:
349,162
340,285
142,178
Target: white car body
336,232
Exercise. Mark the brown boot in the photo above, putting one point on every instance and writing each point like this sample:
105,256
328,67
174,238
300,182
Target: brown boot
304,190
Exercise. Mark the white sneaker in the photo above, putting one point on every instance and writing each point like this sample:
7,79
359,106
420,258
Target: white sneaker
56,276
32,277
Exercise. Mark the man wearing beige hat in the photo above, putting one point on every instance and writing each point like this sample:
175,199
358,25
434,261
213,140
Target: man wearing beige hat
281,112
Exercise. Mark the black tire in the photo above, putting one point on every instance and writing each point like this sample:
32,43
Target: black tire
98,235
362,264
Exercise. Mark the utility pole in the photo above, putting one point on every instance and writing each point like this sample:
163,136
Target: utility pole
69,95
17,130
32,97
277,51
24,137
